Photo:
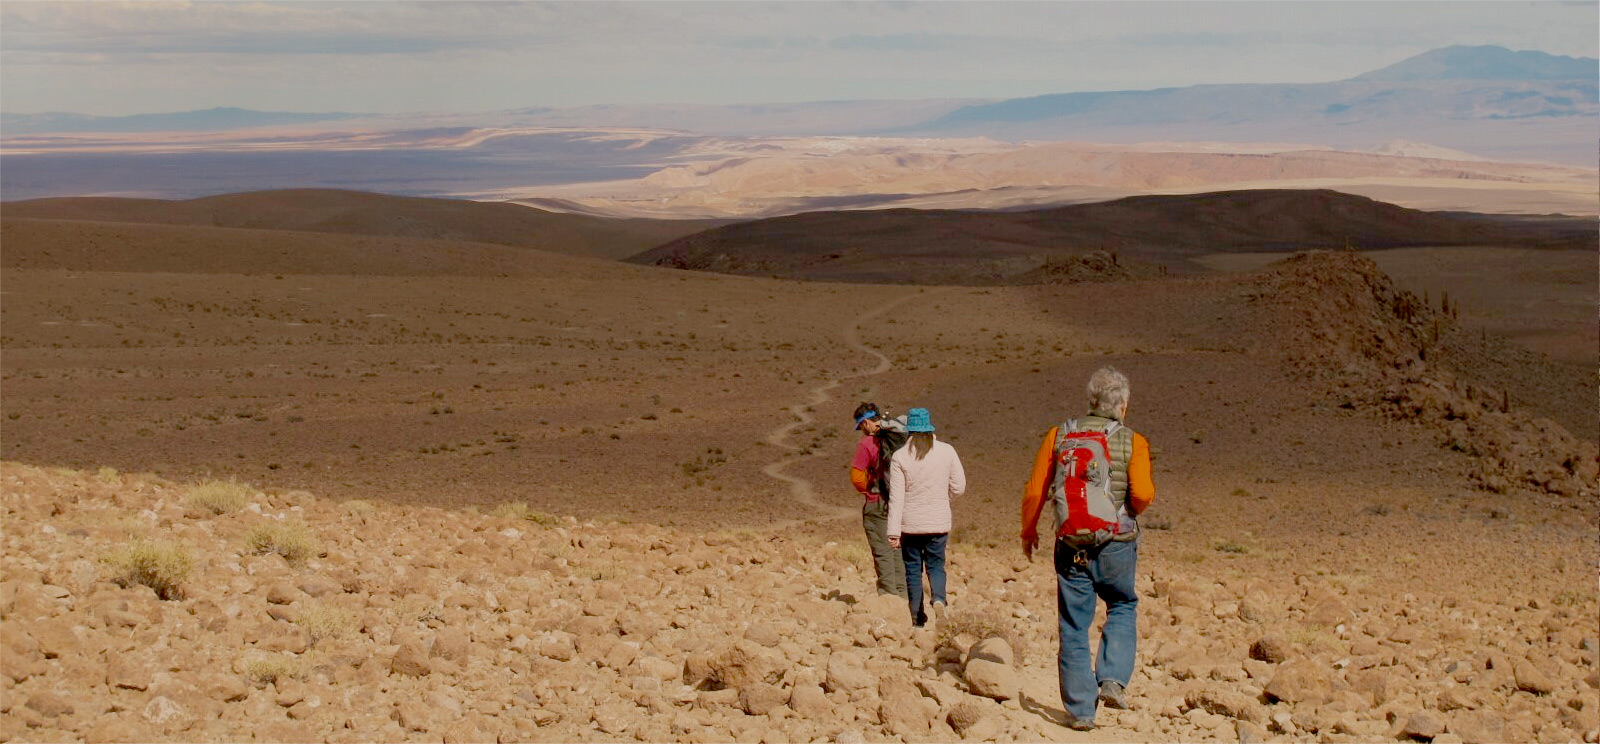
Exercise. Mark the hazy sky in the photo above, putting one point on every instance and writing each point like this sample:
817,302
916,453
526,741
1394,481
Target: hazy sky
123,58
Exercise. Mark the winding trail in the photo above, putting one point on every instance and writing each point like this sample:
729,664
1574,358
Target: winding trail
800,488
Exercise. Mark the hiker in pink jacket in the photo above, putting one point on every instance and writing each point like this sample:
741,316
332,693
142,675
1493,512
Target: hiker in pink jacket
924,476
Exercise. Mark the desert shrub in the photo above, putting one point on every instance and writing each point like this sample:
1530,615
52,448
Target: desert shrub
162,566
265,670
357,507
218,497
107,474
1224,545
854,554
1240,493
1376,510
292,541
512,510
322,620
978,624
1155,522
1570,598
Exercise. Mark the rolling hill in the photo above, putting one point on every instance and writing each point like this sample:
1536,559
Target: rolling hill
352,212
1121,238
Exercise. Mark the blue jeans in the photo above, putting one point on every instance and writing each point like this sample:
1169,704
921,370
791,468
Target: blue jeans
1108,574
919,551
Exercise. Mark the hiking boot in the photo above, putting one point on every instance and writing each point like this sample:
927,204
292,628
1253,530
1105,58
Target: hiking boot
1113,696
939,610
1079,724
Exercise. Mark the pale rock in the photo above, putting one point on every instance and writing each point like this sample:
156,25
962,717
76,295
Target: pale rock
412,660
991,679
1300,681
57,640
809,701
992,649
169,716
1530,678
1424,725
413,715
1479,726
453,644
847,673
282,593
1228,703
128,672
657,667
49,704
763,634
760,698
889,608
975,719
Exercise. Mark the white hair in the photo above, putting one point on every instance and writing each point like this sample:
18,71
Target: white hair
1108,392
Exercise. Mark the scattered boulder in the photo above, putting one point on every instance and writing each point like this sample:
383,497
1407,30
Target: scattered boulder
411,660
1272,648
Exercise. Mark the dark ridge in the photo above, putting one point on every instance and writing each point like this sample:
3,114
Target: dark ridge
361,213
1106,241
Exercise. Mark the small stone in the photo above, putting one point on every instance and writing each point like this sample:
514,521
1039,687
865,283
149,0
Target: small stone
282,593
1423,725
411,660
1530,678
1234,705
808,701
764,635
49,704
127,672
991,679
1272,648
973,718
759,698
452,644
412,716
163,712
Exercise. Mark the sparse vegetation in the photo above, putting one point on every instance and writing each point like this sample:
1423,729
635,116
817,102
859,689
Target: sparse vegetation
511,510
107,475
322,621
1228,545
357,507
266,670
292,541
162,566
218,497
979,624
1156,522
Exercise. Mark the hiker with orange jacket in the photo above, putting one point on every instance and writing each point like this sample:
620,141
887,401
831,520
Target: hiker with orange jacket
1095,472
868,474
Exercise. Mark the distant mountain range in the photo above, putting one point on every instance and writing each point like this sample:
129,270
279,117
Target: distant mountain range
1485,100
218,119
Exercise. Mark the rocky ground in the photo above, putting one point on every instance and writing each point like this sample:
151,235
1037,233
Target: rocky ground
306,619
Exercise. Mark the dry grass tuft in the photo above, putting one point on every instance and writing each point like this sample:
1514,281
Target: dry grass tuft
219,497
265,670
323,621
980,624
162,566
108,475
358,507
292,541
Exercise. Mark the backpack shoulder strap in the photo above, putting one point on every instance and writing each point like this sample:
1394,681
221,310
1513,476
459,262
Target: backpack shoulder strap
1063,429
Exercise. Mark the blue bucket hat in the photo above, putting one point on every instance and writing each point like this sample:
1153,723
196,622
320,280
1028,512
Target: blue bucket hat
917,421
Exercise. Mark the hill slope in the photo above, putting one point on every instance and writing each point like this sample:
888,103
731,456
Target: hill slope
1126,237
360,213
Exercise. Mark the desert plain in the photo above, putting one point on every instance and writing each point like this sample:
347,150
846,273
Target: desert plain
436,485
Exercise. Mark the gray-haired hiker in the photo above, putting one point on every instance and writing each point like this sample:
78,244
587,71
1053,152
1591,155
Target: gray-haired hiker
867,474
923,478
1095,472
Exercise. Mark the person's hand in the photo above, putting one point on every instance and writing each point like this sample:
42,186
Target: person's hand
894,541
1028,546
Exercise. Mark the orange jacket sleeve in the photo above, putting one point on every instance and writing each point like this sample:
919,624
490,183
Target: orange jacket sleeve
1141,488
1033,495
858,478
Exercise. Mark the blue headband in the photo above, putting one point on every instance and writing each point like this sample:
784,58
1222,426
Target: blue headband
864,417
